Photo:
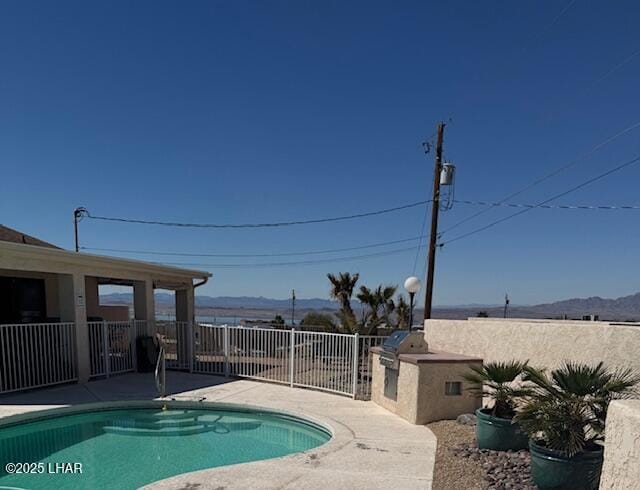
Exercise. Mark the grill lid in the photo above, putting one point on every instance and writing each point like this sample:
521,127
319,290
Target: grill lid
404,342
393,341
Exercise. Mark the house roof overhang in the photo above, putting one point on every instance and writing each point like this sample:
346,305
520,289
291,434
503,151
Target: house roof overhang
17,256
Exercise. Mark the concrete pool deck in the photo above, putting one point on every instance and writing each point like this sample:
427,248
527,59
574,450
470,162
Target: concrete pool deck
370,448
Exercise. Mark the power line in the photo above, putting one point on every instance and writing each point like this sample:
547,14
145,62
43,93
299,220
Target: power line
258,225
548,26
549,206
282,254
294,263
88,215
419,246
611,71
557,196
546,176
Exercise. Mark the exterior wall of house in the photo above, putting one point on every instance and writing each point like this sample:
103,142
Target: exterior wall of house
545,343
621,470
50,287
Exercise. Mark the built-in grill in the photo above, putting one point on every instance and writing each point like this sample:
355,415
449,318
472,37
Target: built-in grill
399,342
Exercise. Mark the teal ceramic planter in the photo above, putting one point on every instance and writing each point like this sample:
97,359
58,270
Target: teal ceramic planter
499,434
552,470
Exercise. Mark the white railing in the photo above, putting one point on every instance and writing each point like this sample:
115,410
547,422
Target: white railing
37,354
325,361
211,349
337,363
177,343
112,347
259,353
144,328
365,358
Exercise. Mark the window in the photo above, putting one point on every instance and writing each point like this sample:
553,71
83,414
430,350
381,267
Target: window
453,388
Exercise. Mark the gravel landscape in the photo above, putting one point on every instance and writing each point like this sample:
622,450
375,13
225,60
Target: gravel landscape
461,465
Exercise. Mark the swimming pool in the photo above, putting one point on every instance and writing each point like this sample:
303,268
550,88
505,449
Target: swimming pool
127,445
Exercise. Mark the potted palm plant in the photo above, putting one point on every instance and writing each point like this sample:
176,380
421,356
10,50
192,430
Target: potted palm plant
564,415
499,382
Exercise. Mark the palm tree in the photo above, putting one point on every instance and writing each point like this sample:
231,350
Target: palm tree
371,300
566,410
342,287
495,380
380,306
403,313
385,297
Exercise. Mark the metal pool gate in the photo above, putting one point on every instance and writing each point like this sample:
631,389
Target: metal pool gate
333,362
112,347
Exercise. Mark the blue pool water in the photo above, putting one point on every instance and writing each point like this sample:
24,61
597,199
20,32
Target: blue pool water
130,447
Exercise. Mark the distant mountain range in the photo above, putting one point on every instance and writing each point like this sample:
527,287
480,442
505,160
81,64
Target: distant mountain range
234,302
624,308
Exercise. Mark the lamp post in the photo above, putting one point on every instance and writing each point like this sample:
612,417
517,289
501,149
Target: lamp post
412,285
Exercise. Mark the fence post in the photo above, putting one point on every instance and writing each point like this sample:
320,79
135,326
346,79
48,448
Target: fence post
105,348
226,350
191,335
356,351
133,345
292,351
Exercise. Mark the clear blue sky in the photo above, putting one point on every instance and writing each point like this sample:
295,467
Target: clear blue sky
265,111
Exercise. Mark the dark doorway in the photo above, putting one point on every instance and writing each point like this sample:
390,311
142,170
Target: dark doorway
22,300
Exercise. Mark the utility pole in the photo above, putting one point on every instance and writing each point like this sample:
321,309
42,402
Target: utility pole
411,295
78,214
435,208
293,307
506,304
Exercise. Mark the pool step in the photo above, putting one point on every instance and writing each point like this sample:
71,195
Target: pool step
159,424
158,432
177,427
169,419
172,415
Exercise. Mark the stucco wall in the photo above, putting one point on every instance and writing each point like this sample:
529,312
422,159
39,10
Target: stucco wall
433,404
421,391
543,343
621,470
406,403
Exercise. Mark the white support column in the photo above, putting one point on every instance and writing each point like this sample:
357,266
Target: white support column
144,307
185,312
71,292
92,296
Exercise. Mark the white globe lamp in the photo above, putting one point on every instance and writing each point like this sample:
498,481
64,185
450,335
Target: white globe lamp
412,285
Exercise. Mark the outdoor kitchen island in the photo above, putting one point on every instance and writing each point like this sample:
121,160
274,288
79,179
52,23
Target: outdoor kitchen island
418,385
